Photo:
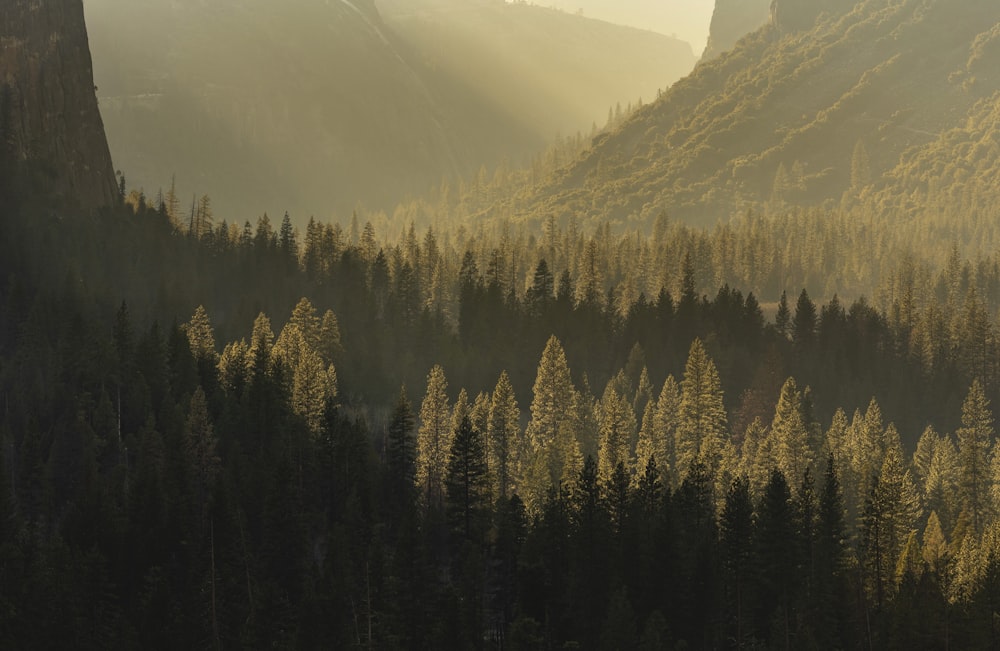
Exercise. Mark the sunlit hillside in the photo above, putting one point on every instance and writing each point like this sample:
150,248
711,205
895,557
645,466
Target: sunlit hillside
315,107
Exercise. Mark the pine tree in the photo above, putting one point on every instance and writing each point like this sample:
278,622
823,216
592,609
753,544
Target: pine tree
701,428
553,454
756,462
401,446
504,436
975,442
935,546
616,422
804,323
776,548
783,318
665,431
788,439
434,440
942,485
200,335
645,448
467,482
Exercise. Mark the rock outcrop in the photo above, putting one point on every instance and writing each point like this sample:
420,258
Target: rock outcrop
50,126
731,21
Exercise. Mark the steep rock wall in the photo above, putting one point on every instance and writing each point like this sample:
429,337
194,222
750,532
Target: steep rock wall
50,125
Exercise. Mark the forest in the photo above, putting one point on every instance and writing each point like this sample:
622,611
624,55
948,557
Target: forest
485,441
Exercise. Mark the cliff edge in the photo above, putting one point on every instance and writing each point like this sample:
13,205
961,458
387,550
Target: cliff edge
51,131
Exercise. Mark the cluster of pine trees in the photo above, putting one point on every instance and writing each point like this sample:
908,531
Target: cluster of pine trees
581,469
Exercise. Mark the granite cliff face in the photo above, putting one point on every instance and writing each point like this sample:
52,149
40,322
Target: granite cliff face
50,125
731,21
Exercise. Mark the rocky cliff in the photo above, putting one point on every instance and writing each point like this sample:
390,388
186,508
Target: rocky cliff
50,124
731,21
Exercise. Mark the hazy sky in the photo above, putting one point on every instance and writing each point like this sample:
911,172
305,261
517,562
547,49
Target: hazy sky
688,19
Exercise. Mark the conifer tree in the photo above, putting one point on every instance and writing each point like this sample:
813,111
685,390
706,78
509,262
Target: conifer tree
975,443
201,336
504,436
665,431
434,440
755,462
942,485
804,322
467,482
553,454
645,446
701,428
788,439
783,318
776,548
617,426
401,452
935,546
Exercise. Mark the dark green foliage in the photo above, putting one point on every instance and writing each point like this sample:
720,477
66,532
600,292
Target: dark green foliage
152,496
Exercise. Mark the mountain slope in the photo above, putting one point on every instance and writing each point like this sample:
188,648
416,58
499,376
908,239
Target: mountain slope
51,133
781,118
309,106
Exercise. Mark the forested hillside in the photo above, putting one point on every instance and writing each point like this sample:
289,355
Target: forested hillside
801,113
315,107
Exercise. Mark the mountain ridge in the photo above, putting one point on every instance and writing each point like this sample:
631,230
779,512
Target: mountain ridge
777,120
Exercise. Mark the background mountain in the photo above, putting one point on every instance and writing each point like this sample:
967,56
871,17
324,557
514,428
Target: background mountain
731,21
855,104
50,128
687,19
312,106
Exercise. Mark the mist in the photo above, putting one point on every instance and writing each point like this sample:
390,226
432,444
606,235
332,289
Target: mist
688,20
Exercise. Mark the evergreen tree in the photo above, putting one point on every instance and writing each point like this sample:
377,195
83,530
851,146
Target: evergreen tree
553,453
401,446
776,548
616,421
783,318
467,482
701,428
504,438
434,440
804,323
665,431
788,439
975,442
